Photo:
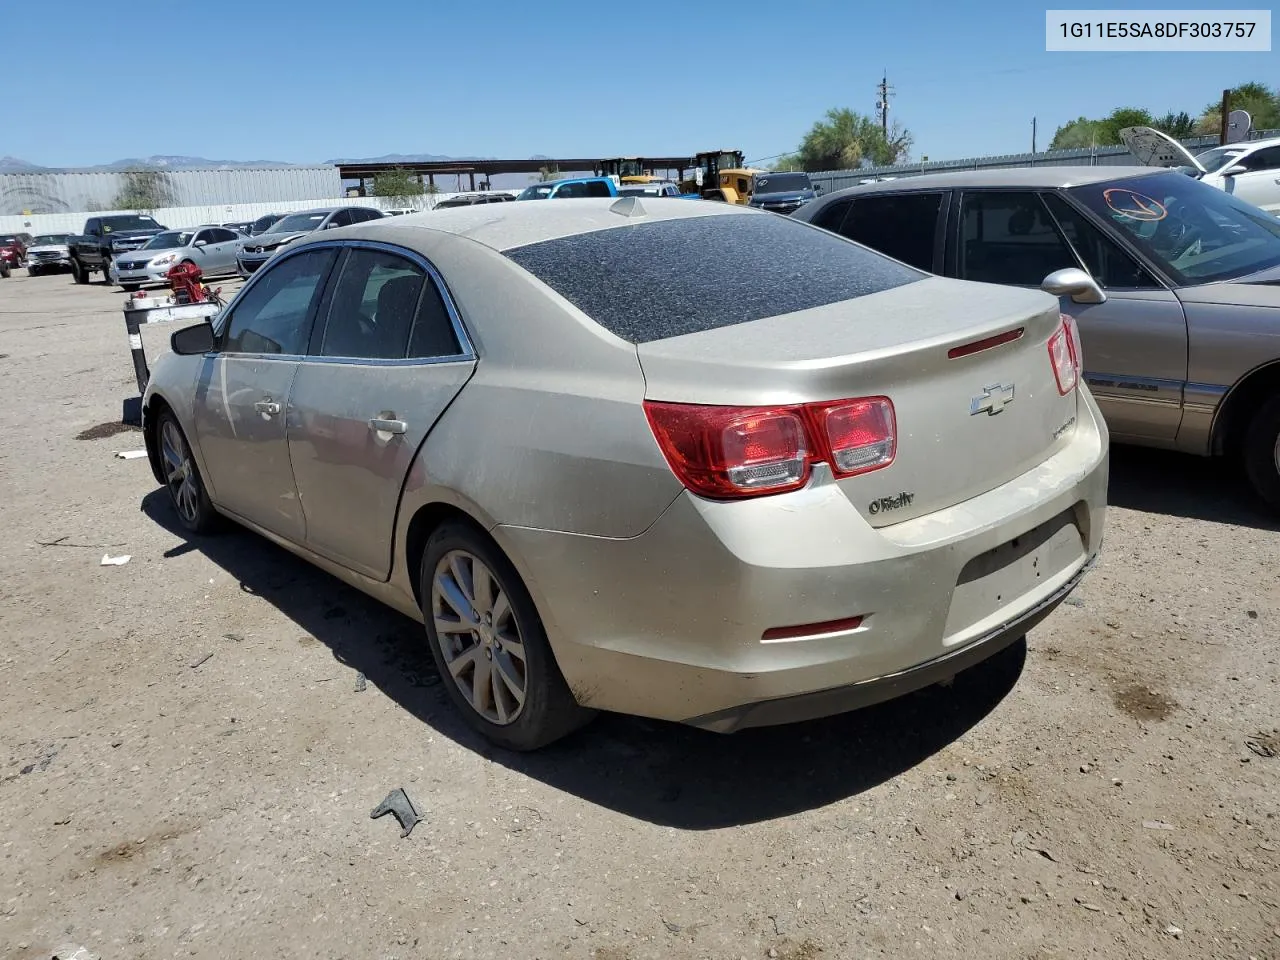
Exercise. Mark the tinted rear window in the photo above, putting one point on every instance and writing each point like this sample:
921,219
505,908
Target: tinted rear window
664,279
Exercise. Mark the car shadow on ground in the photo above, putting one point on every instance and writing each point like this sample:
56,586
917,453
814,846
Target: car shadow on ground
663,773
1180,485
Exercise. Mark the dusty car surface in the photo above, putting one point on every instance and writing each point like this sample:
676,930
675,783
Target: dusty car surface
648,456
1175,286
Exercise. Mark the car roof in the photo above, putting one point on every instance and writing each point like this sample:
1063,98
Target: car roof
1046,177
1243,145
504,226
552,183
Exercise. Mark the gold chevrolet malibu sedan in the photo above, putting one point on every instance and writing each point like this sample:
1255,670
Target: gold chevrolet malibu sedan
678,459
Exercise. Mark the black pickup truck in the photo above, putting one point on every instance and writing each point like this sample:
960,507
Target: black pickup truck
104,237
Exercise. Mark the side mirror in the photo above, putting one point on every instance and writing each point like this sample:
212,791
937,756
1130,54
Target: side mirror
1235,170
192,341
1074,283
201,243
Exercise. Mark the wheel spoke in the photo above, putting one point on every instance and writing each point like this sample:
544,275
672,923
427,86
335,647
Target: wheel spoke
497,687
482,587
452,594
512,646
453,627
462,577
510,679
176,473
501,609
482,685
463,660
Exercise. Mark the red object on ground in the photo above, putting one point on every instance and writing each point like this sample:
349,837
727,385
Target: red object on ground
184,280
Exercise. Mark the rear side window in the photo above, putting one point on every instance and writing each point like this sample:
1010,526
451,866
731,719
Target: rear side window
832,215
650,281
902,226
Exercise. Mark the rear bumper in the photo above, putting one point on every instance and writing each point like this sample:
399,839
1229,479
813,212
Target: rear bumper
671,624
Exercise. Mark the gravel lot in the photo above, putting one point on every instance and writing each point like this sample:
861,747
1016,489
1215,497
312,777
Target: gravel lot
188,767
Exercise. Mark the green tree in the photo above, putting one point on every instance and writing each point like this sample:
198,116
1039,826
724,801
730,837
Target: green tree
1080,132
843,139
1176,125
788,161
1261,101
144,191
400,186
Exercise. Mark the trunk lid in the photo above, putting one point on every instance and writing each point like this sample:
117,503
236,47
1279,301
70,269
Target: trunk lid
965,423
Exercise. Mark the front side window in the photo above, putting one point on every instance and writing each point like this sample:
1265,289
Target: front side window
1010,238
273,316
1110,266
901,226
1268,158
1193,232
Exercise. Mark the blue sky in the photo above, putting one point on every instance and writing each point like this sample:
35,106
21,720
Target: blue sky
306,82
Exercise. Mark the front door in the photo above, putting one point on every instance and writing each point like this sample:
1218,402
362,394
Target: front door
242,401
383,366
1135,344
1260,185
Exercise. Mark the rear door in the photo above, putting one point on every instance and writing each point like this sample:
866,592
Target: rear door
384,363
906,226
1135,344
242,399
221,250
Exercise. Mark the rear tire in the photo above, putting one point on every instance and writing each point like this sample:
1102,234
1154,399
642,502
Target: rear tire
186,488
479,667
1262,452
106,274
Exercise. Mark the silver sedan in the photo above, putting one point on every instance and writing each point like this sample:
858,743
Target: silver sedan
211,248
684,460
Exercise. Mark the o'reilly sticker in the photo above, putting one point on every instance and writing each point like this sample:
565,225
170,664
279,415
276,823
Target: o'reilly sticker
890,503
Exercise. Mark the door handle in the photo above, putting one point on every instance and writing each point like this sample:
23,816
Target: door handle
380,425
267,407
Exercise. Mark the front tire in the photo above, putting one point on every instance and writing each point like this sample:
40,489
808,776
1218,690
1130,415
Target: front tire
33,272
182,477
1262,452
79,272
131,287
489,644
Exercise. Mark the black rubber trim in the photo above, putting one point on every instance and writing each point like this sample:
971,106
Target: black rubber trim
825,703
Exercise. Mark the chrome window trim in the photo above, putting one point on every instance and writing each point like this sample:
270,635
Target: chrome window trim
466,349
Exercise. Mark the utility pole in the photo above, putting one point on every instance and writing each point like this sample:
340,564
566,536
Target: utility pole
1226,110
884,91
1033,134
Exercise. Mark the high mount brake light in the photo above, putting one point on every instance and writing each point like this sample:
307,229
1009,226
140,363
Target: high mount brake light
725,452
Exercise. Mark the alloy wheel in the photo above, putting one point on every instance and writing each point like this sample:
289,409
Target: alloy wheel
479,637
179,472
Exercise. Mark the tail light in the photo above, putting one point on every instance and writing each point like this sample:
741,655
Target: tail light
735,452
1064,354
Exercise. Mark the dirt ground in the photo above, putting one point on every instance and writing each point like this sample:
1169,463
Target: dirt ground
187,766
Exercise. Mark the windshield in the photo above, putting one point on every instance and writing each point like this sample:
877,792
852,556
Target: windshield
782,183
51,240
298,222
1219,157
116,224
539,191
168,240
1194,232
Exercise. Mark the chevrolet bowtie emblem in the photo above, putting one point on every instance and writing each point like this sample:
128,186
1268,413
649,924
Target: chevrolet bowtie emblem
992,400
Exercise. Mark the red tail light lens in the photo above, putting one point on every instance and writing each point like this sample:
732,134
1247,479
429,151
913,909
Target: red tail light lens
860,435
1064,355
735,452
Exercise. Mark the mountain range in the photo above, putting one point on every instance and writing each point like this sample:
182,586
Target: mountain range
167,162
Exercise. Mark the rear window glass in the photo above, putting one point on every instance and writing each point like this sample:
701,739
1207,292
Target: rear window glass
651,281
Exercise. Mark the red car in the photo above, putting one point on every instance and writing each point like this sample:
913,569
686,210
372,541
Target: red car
13,250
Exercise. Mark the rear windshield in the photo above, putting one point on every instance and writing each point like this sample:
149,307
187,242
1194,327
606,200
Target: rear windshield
782,183
650,281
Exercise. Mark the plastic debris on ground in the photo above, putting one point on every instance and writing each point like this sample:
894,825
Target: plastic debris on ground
110,561
399,804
